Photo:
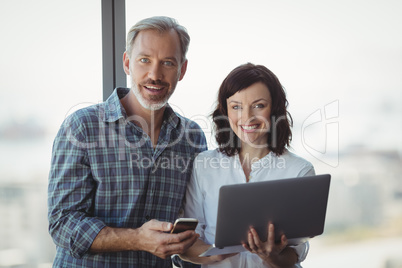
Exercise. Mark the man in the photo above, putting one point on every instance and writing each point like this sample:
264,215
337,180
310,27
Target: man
120,168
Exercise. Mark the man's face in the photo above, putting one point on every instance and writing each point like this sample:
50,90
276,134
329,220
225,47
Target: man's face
155,67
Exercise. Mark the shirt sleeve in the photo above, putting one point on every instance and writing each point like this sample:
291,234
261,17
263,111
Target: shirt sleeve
71,191
193,206
301,251
307,170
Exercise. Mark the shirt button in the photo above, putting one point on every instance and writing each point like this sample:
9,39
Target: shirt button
181,212
147,217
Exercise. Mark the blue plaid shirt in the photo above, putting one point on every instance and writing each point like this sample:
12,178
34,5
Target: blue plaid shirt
105,172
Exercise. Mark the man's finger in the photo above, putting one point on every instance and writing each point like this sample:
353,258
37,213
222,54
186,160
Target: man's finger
167,226
159,225
179,246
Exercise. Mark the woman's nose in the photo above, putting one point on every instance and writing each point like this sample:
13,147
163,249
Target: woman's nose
247,115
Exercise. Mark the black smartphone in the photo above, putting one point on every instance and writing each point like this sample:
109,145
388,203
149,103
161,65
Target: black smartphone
184,224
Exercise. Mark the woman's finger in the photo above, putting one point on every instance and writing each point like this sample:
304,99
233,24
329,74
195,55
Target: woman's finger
256,238
251,242
245,245
271,234
284,242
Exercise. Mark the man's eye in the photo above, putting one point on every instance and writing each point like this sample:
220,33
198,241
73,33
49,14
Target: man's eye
144,60
168,63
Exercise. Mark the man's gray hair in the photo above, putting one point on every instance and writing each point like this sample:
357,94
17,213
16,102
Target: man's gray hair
162,24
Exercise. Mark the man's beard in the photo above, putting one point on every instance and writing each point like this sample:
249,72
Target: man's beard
155,102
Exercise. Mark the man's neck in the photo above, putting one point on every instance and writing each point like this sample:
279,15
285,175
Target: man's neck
149,120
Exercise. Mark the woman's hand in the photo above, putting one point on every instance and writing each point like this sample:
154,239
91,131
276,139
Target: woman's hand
276,254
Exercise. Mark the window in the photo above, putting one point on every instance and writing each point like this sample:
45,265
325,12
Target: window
340,65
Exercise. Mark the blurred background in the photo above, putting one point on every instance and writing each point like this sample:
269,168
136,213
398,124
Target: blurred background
339,61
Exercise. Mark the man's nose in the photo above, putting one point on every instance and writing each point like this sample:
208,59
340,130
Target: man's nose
155,72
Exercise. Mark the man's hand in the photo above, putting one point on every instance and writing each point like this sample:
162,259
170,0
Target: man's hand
154,236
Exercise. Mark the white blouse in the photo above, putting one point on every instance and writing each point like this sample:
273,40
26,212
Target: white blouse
212,169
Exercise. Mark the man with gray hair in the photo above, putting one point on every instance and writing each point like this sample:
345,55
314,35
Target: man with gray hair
120,168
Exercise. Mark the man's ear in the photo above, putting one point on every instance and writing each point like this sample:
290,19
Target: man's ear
126,63
183,70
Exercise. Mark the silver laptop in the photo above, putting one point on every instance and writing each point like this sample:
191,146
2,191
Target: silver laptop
296,206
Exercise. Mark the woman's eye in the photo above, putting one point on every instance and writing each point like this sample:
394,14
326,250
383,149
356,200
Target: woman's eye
236,107
259,106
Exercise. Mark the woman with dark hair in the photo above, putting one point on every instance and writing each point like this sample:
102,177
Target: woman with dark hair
253,131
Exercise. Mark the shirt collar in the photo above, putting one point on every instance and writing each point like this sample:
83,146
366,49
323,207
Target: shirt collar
263,162
113,110
170,116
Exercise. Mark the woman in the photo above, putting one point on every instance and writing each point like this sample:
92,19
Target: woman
252,131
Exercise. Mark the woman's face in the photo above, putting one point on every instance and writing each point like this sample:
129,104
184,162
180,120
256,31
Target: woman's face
249,112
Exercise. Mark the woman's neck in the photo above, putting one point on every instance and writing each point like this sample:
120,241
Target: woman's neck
248,155
252,152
